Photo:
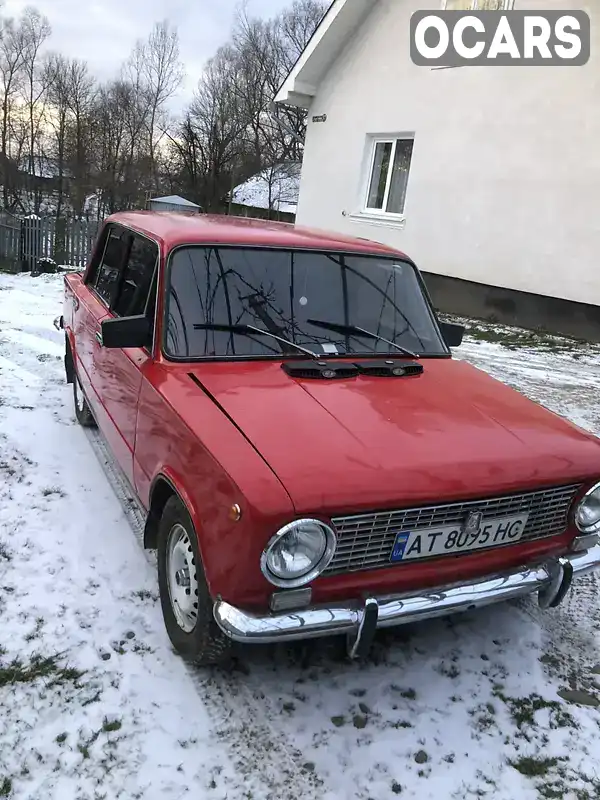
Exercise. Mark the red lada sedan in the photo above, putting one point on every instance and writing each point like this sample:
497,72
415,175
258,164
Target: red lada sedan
309,457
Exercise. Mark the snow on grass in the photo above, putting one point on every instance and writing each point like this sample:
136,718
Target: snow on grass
93,702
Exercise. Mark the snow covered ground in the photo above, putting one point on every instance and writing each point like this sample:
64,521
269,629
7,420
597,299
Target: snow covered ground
94,703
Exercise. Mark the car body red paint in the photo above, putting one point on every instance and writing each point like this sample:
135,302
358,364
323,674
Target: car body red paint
282,448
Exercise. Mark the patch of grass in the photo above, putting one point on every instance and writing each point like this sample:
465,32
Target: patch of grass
551,791
5,787
51,491
533,767
524,709
95,698
484,716
39,667
84,750
61,738
185,743
84,746
451,671
407,694
111,725
34,634
481,776
144,594
5,554
8,469
550,661
514,338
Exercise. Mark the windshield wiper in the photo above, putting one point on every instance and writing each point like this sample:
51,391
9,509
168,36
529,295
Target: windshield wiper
360,333
250,330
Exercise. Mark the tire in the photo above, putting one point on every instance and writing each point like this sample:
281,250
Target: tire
189,622
82,410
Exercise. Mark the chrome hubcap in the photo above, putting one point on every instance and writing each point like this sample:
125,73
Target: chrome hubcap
181,578
79,398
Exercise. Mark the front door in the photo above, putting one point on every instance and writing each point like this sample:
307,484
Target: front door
119,371
91,307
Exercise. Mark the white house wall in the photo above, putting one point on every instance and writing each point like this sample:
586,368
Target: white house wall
504,187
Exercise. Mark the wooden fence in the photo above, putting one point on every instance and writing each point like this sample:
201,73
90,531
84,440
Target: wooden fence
25,243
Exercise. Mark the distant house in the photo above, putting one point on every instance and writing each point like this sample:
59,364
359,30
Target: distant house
172,202
488,177
270,194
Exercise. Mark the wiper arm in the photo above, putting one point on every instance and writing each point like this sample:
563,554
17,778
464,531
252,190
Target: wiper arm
249,330
359,332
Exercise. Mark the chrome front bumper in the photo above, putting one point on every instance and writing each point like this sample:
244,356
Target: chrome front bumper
551,579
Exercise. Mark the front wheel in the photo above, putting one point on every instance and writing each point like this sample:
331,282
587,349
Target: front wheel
186,603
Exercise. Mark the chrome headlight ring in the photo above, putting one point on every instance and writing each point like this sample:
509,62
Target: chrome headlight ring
314,569
591,502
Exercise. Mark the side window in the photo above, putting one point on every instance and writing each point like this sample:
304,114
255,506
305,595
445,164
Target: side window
112,260
477,5
137,278
388,178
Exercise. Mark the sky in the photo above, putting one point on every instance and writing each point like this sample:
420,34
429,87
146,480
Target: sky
103,32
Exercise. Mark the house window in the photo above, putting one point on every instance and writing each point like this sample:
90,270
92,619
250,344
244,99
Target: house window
477,5
388,178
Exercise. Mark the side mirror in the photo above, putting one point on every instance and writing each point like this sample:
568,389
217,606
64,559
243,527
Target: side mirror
127,332
453,334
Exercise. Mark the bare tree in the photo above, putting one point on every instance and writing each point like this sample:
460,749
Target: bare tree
64,137
293,29
35,31
58,70
267,51
81,93
12,56
159,73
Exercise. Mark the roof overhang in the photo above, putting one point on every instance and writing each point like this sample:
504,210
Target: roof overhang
335,29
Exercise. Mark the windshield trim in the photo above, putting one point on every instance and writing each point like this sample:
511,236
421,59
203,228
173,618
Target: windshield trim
293,356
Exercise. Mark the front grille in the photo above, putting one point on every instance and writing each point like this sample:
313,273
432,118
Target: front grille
365,541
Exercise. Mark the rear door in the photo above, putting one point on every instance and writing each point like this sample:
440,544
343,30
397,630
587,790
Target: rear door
118,372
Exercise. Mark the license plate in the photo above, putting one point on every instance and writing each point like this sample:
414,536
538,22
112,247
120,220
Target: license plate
451,539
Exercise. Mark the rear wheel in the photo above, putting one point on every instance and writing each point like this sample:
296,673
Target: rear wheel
82,409
186,603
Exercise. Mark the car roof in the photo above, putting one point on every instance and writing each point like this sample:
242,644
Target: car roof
175,228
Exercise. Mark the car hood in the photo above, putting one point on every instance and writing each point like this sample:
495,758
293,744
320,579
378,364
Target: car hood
452,432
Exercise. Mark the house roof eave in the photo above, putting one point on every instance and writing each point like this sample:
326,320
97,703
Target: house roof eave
333,32
296,99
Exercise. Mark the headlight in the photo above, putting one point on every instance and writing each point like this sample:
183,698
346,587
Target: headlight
587,514
298,553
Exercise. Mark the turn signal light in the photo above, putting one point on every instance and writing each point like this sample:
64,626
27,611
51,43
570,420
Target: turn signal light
287,601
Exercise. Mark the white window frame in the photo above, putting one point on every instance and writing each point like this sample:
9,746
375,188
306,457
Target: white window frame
507,5
373,142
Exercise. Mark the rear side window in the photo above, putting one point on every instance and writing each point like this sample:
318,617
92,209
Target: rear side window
137,278
112,261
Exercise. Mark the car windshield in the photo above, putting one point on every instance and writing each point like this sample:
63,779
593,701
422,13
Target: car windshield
331,304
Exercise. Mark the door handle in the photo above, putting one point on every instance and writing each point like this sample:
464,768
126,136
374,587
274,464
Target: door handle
99,338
